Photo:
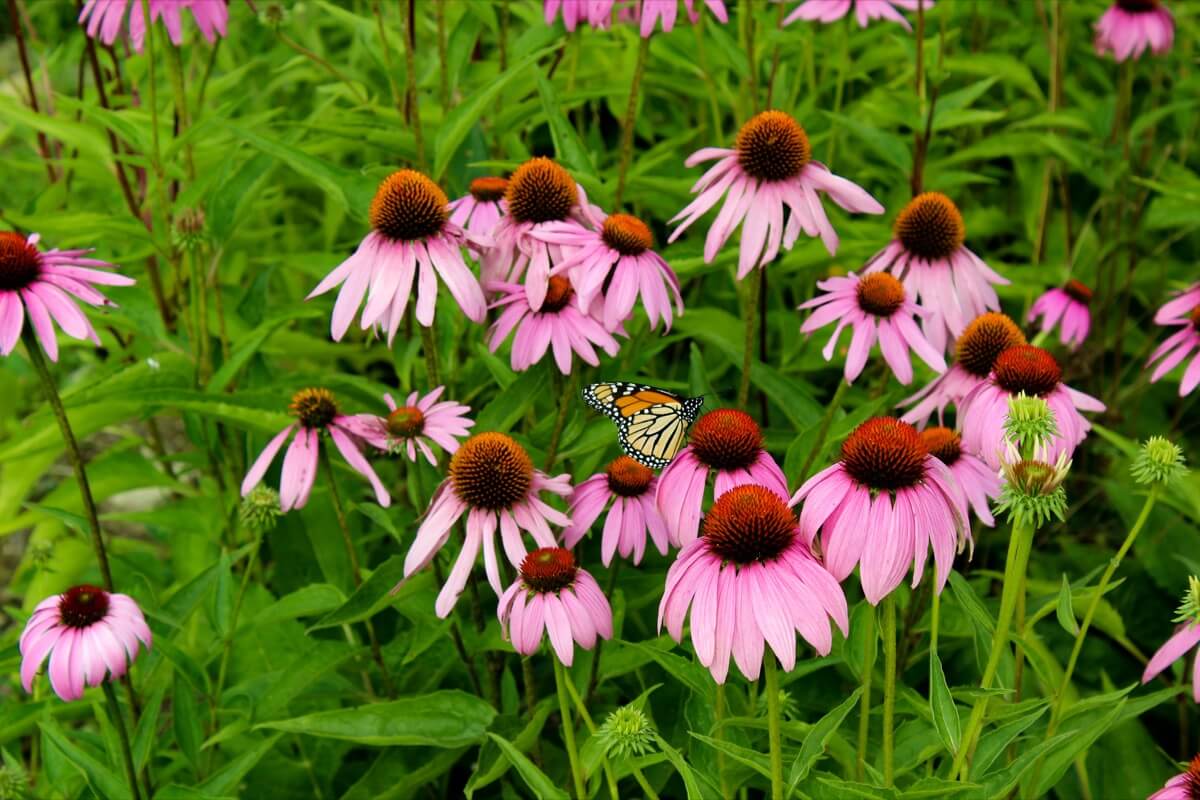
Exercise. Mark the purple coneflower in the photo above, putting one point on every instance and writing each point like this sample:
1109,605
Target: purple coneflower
1184,786
864,10
1183,313
575,12
419,421
1175,648
1068,308
649,12
979,482
1129,27
562,324
632,515
105,18
478,211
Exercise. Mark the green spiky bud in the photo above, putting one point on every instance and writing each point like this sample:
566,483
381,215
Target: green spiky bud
1030,423
14,783
1189,607
260,509
626,732
1033,490
189,229
1159,461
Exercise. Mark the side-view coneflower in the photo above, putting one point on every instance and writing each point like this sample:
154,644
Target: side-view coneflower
750,579
553,595
883,506
1129,27
573,12
976,351
105,19
770,168
419,421
1068,308
561,324
724,441
1031,371
412,243
864,10
979,483
492,481
1184,786
46,285
648,13
632,513
478,211
944,276
317,412
1183,312
1183,641
87,633
878,310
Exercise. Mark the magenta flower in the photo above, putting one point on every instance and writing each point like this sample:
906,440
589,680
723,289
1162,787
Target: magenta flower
562,323
946,278
878,310
769,168
419,421
1184,786
1175,648
478,211
412,240
864,10
1128,27
1183,304
979,482
1067,307
1183,313
751,579
883,506
87,633
554,595
105,17
613,266
576,11
1032,371
649,12
976,350
725,441
632,515
317,410
47,284
493,482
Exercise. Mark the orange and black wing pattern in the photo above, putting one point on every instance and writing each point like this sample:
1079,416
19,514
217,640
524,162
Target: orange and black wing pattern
652,423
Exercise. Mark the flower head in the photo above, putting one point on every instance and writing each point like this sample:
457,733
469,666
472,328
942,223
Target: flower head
417,423
561,324
1186,637
864,11
1032,490
105,18
1067,307
1182,312
627,489
480,208
1129,27
1030,422
649,12
627,732
259,510
1189,607
1159,461
1184,786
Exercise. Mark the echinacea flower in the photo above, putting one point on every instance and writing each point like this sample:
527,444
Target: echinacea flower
419,421
945,277
1068,308
493,482
573,12
631,516
978,482
562,324
750,579
1182,641
1129,27
1030,370
976,351
316,411
553,595
412,239
105,18
1180,345
1184,786
46,285
877,308
1179,306
864,10
725,441
87,633
611,267
478,211
883,506
649,12
769,168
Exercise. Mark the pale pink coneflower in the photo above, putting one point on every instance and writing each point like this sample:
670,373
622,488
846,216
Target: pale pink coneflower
412,239
105,19
46,285
1066,307
978,481
1176,647
864,11
575,12
418,422
976,351
724,441
88,634
478,211
562,324
769,168
316,411
626,488
751,579
493,482
878,310
1030,370
1129,27
1183,313
648,13
553,595
1184,786
883,506
944,276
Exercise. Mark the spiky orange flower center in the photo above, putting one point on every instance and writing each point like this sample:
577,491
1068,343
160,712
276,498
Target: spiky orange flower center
1027,369
1078,292
880,294
408,206
772,147
984,340
406,422
628,478
82,606
548,569
491,471
943,444
627,234
726,439
20,262
930,226
316,408
541,191
1138,6
558,294
885,454
749,523
1193,779
488,190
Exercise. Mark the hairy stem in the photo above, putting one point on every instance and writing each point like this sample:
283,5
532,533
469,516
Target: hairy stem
568,729
751,319
118,721
864,712
888,631
773,734
412,114
630,122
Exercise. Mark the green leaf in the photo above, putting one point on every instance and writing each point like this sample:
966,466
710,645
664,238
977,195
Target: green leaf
816,740
103,780
687,672
227,779
1059,759
301,672
743,755
567,145
249,344
511,403
690,784
176,792
186,721
995,742
537,781
1065,611
368,599
144,737
941,704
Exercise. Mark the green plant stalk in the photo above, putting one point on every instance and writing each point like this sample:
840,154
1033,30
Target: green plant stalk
630,122
773,730
179,89
888,631
713,100
751,318
719,734
747,7
609,775
443,71
227,645
565,395
118,721
412,110
325,64
568,730
839,91
864,712
823,431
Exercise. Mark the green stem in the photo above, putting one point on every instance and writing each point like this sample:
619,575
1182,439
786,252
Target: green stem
773,734
752,75
179,89
443,70
864,713
935,614
530,681
568,730
412,111
630,122
751,318
823,431
118,721
719,734
609,776
839,91
429,346
714,104
566,395
325,64
888,630
227,645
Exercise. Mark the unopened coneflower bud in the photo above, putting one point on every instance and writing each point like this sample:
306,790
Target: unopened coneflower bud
1189,607
1159,461
260,509
626,732
1030,423
189,229
787,705
274,14
1033,491
14,783
41,555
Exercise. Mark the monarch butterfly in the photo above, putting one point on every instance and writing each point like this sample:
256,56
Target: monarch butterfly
651,422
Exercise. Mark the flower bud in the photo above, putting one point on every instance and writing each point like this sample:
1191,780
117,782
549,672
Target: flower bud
1189,607
1033,491
626,732
1030,423
1159,461
260,509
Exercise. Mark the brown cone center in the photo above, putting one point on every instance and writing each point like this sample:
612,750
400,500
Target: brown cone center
491,471
726,439
772,147
930,226
316,408
627,234
880,294
984,340
20,262
885,454
628,478
548,569
83,606
408,206
541,191
1027,369
749,523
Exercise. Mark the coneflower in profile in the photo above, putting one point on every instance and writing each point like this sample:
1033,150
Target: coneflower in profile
478,211
573,12
648,13
1129,27
979,483
1183,312
769,169
106,18
864,11
1183,641
627,489
561,324
1068,308
415,424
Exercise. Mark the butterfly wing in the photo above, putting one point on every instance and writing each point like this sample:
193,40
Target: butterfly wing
652,423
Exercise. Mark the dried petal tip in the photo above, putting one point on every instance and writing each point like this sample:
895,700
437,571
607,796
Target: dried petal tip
260,509
626,732
1189,607
20,262
931,226
1030,423
408,206
772,147
541,191
491,471
1159,461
